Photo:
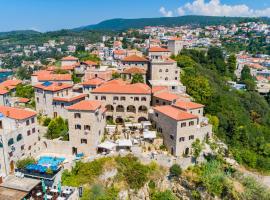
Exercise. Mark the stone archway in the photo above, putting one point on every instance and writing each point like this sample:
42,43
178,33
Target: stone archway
140,119
119,120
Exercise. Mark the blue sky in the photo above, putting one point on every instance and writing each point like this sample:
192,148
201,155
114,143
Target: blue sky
46,15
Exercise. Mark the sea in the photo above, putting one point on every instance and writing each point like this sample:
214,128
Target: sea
4,75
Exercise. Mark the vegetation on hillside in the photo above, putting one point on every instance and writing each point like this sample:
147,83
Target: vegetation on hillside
242,116
57,127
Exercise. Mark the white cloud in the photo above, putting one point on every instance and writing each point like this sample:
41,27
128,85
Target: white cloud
165,13
216,8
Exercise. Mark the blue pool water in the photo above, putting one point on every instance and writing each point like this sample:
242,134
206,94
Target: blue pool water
50,161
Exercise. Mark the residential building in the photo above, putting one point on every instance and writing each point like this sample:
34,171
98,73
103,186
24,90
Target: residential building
86,126
69,60
123,100
19,137
181,124
134,61
175,45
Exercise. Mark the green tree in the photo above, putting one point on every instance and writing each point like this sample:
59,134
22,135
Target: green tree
175,170
57,128
231,63
25,91
137,78
196,149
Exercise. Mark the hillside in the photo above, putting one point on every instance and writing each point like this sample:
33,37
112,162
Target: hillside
123,24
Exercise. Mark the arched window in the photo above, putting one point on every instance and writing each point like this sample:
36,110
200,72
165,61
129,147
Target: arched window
19,137
143,109
10,142
131,108
1,145
160,70
109,108
143,99
120,108
167,70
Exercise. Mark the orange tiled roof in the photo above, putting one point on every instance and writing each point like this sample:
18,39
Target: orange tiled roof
69,99
174,113
90,62
16,113
71,58
86,105
159,88
8,83
134,58
175,38
158,49
3,91
134,70
93,81
123,88
24,100
54,86
41,72
166,96
119,52
188,105
54,77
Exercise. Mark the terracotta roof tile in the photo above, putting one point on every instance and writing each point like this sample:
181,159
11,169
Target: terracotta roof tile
86,105
93,81
54,77
134,70
134,58
24,100
90,62
16,113
158,49
188,105
70,99
166,96
9,83
69,58
174,113
54,86
123,88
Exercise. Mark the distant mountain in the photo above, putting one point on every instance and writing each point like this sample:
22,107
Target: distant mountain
19,32
123,24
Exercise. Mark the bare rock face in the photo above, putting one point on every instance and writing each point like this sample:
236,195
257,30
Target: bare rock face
142,194
123,195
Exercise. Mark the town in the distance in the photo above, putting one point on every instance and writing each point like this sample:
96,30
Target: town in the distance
134,114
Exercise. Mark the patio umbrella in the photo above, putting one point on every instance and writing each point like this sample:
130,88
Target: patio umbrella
59,188
43,185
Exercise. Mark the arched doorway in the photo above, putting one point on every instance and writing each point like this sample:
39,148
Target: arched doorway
109,118
12,167
141,119
119,120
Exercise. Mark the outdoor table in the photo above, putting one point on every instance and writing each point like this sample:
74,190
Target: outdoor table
49,196
54,190
39,194
66,192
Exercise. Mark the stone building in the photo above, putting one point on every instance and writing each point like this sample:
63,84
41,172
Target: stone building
181,124
19,137
123,100
86,126
175,45
52,98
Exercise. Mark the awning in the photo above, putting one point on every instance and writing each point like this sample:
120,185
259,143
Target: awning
149,135
124,143
107,145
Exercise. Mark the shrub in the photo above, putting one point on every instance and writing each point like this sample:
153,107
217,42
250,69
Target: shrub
175,170
166,195
21,164
46,121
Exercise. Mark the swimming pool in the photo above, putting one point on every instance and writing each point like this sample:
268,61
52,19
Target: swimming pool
49,161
